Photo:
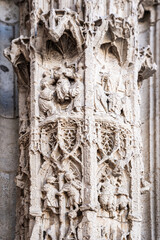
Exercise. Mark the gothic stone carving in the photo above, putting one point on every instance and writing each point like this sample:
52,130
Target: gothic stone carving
63,92
80,170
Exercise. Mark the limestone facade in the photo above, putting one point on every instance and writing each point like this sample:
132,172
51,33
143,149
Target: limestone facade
81,67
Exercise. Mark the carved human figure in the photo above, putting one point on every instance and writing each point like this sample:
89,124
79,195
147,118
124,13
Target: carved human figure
46,96
72,188
88,10
20,216
62,89
79,7
115,100
123,205
77,92
24,116
108,83
70,93
107,198
100,99
51,192
115,104
72,234
123,202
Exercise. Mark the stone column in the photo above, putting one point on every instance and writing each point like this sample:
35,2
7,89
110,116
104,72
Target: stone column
79,74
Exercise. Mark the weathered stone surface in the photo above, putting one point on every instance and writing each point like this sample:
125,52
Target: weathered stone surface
81,173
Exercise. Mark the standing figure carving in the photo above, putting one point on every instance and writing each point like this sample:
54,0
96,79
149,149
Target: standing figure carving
51,192
81,174
72,188
46,97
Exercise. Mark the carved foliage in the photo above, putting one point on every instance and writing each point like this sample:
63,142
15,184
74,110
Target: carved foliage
114,154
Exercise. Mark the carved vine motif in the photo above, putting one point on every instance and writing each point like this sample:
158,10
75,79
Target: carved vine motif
62,187
61,150
62,138
62,163
114,146
69,135
114,153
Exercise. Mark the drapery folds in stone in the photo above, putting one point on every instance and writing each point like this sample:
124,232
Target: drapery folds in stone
79,72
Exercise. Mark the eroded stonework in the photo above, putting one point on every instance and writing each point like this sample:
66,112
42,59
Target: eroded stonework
80,167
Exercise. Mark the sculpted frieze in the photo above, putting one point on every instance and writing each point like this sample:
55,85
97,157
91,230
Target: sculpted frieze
61,93
61,198
80,168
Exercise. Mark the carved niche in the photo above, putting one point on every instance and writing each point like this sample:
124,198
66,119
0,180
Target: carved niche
80,148
61,150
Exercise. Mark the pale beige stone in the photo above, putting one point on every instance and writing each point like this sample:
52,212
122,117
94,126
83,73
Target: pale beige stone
81,171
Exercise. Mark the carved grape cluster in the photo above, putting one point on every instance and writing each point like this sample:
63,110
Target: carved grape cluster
108,140
69,131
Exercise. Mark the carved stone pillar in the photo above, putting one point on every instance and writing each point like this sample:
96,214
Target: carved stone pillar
79,72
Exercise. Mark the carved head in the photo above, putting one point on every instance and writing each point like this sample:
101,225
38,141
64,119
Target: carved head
51,179
72,214
44,84
69,176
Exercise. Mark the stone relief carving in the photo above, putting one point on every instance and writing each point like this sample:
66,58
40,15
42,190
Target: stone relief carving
51,192
80,174
63,92
22,182
148,67
61,191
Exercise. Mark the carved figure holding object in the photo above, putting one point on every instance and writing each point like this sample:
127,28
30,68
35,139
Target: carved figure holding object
50,200
72,188
46,96
107,197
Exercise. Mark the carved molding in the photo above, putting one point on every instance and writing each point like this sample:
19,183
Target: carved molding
80,167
